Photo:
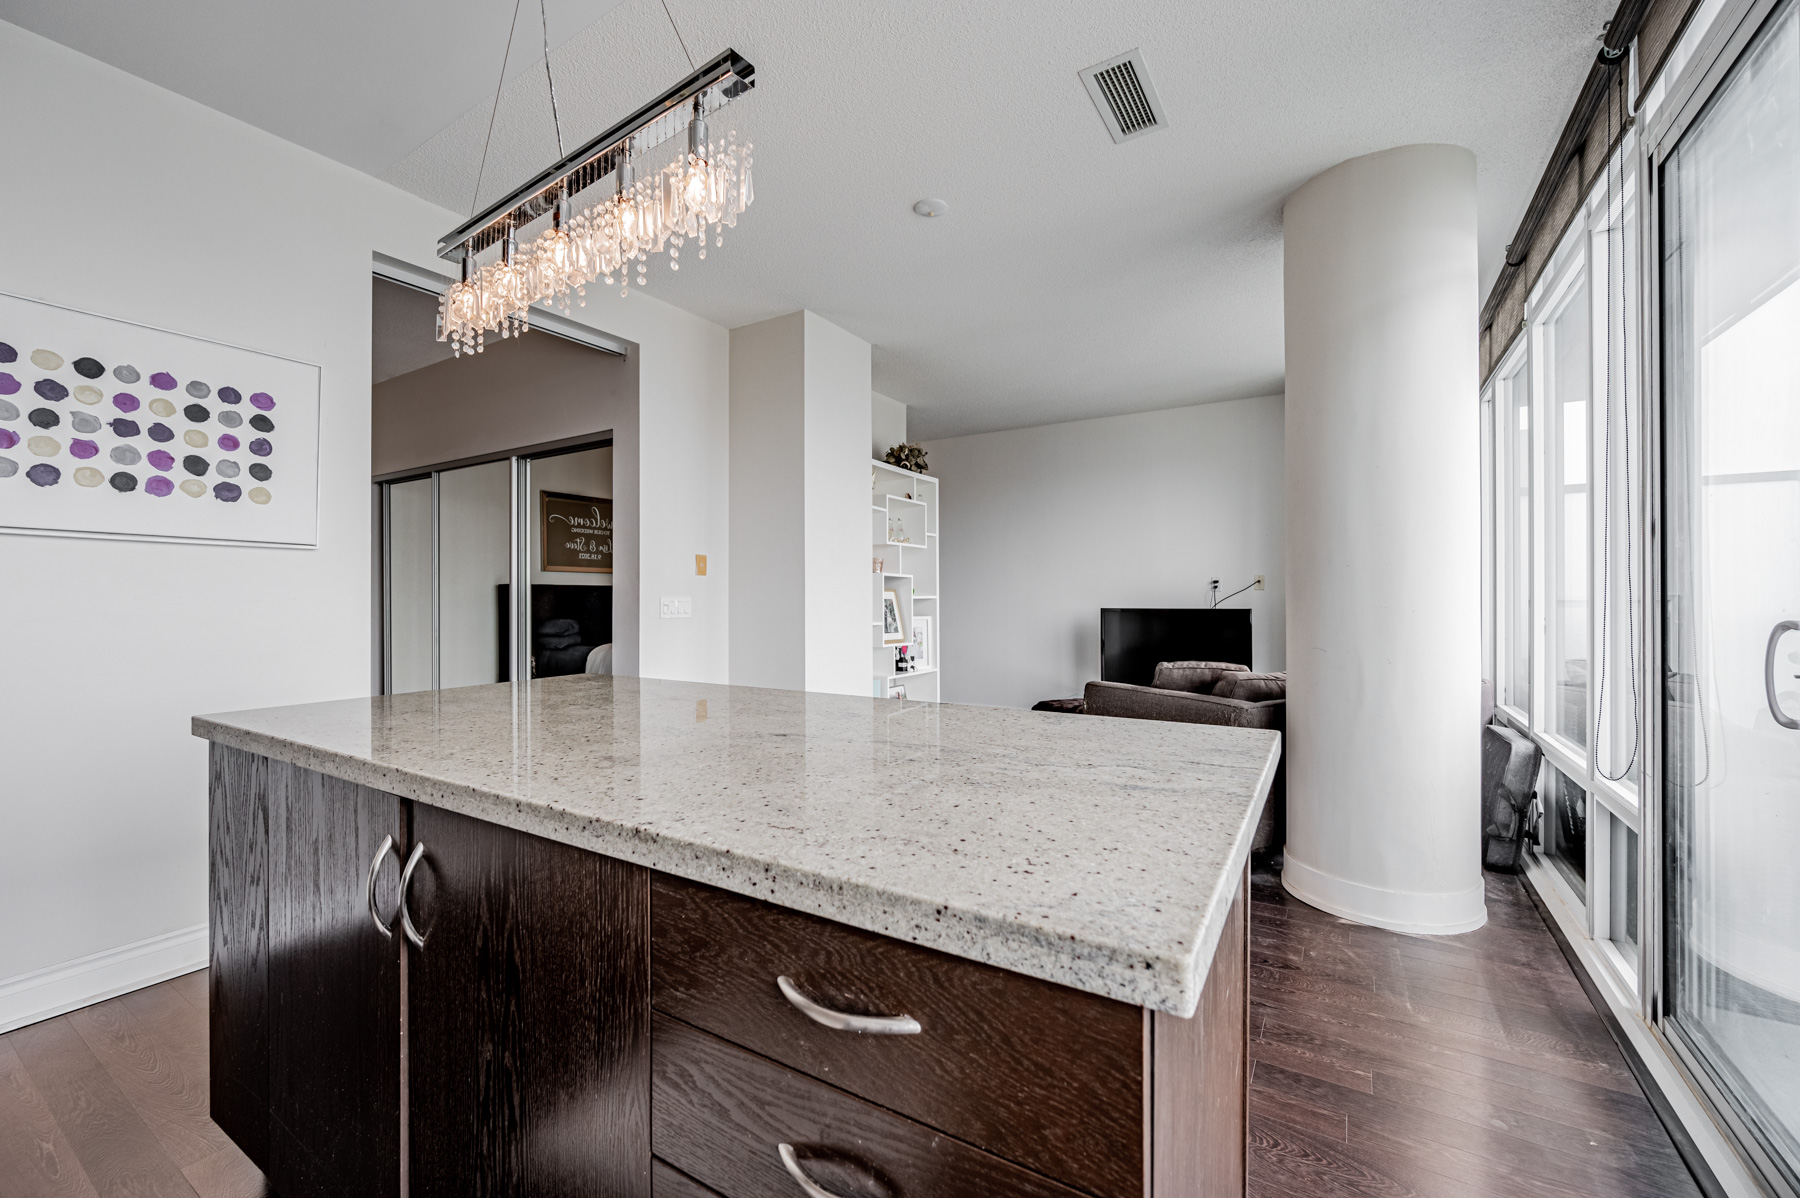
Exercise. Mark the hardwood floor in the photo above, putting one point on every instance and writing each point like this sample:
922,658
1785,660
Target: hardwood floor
1454,1067
112,1100
1449,1067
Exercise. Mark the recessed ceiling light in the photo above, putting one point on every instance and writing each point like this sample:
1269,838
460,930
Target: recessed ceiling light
931,207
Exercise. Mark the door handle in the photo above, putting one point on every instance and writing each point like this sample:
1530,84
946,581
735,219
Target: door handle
1769,672
385,927
406,924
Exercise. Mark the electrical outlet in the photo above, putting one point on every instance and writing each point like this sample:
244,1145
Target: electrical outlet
677,607
1259,583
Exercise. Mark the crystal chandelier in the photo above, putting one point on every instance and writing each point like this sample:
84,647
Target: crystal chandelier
660,180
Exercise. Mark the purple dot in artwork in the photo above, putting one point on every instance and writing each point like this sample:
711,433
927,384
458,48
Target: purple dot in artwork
44,474
261,447
80,447
8,384
230,395
123,427
8,438
161,432
158,486
51,390
162,380
125,401
162,459
8,353
262,401
227,442
227,492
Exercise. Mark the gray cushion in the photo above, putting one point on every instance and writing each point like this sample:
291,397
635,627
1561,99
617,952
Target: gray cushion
1251,688
1196,676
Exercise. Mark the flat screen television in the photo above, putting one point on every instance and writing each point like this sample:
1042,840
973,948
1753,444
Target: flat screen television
1134,639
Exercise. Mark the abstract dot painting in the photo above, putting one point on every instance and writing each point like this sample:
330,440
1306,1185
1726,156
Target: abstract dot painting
101,418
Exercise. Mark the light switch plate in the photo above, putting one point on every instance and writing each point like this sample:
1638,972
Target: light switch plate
677,607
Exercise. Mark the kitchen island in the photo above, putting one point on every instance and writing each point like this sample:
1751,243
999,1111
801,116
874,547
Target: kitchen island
600,935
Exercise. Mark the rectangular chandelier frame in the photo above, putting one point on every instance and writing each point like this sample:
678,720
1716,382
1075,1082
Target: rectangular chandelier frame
720,81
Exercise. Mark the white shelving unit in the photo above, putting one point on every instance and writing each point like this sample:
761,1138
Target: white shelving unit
903,523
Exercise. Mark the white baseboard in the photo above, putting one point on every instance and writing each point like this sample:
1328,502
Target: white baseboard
45,993
1396,910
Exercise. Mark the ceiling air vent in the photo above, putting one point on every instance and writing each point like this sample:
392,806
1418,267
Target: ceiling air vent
1120,88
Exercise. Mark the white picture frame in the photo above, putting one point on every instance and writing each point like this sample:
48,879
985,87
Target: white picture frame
893,622
921,642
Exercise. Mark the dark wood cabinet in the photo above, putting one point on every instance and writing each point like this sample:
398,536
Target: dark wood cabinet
515,1051
528,1016
334,989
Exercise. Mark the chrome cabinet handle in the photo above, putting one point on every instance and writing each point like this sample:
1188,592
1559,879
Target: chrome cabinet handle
385,927
1775,636
406,923
808,1186
872,1025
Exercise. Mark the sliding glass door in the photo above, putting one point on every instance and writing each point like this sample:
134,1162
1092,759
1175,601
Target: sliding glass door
1731,589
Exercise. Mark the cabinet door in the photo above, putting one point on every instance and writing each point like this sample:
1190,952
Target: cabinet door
334,990
528,1016
238,980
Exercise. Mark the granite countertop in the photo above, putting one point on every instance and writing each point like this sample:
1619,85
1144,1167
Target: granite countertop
1099,853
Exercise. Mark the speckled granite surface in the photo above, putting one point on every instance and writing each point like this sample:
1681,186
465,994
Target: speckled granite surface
1099,853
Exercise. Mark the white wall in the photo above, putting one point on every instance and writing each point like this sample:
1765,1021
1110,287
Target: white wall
1043,527
887,420
109,189
800,417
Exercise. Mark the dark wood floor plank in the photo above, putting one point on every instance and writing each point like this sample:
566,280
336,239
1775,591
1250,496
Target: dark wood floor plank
1470,1065
35,1158
116,1148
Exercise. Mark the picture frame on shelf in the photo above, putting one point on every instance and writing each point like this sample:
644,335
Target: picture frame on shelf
893,627
921,642
897,691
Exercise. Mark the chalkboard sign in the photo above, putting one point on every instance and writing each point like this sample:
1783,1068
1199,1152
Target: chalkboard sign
577,534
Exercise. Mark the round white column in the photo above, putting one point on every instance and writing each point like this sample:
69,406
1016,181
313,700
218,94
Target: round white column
1383,542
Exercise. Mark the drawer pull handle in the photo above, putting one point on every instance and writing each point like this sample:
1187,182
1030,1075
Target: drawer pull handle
406,924
873,1025
807,1185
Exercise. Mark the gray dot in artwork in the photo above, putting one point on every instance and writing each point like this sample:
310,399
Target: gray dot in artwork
44,418
8,467
227,468
262,424
126,455
10,411
194,464
88,368
123,482
126,374
198,389
230,419
197,414
260,472
85,422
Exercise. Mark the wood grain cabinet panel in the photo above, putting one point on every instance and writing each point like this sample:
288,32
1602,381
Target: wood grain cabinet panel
720,1114
238,926
529,1048
334,990
1043,1075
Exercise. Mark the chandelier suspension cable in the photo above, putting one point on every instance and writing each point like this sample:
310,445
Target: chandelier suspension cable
678,37
555,118
495,111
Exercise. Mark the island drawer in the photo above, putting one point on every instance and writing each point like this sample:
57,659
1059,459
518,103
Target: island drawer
1046,1076
721,1115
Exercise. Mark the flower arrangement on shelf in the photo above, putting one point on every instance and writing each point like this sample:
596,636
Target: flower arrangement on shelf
908,455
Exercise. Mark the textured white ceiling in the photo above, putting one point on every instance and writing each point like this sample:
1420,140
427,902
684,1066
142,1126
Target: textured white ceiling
1071,277
360,82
